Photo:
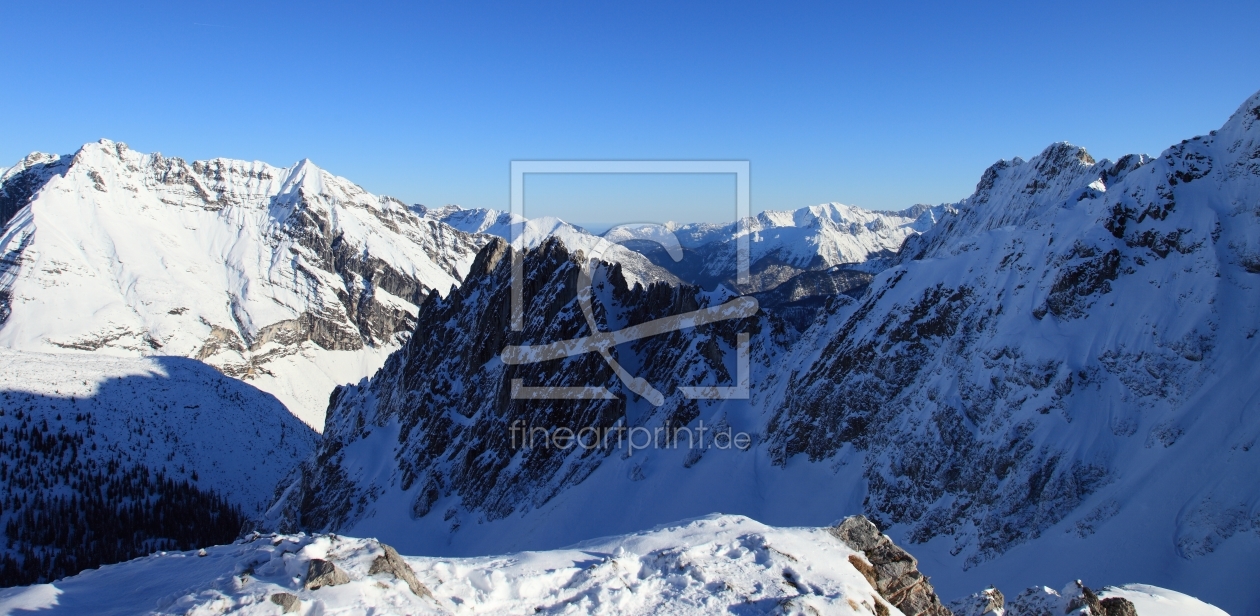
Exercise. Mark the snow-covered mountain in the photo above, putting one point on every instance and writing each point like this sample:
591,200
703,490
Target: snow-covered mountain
1057,379
104,459
1071,359
291,278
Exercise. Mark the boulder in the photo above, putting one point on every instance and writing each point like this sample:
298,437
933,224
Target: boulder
288,602
322,573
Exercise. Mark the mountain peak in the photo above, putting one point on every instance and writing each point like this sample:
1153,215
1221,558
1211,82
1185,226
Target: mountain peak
1247,114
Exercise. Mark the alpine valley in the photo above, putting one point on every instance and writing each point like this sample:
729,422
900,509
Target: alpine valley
1056,378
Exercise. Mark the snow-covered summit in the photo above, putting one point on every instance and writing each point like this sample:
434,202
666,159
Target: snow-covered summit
291,277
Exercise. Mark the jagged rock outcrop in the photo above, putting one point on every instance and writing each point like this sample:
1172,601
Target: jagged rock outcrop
417,407
1117,606
890,569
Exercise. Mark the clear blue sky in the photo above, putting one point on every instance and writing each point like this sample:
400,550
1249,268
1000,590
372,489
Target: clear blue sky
880,107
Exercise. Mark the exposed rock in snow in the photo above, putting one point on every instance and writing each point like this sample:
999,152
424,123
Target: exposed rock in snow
289,603
321,573
1078,600
392,563
291,278
988,602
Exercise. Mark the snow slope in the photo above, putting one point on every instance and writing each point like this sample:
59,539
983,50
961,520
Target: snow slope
1155,601
291,278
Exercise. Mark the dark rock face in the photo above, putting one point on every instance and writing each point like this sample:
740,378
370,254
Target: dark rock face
450,371
23,181
17,187
890,569
362,273
1088,277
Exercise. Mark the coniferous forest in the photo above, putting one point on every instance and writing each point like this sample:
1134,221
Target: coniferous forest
67,506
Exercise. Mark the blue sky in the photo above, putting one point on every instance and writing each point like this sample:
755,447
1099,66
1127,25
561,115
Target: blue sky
880,107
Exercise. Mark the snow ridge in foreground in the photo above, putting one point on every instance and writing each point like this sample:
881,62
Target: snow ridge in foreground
718,564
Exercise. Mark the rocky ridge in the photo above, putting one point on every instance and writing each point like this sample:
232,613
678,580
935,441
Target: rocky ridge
421,406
